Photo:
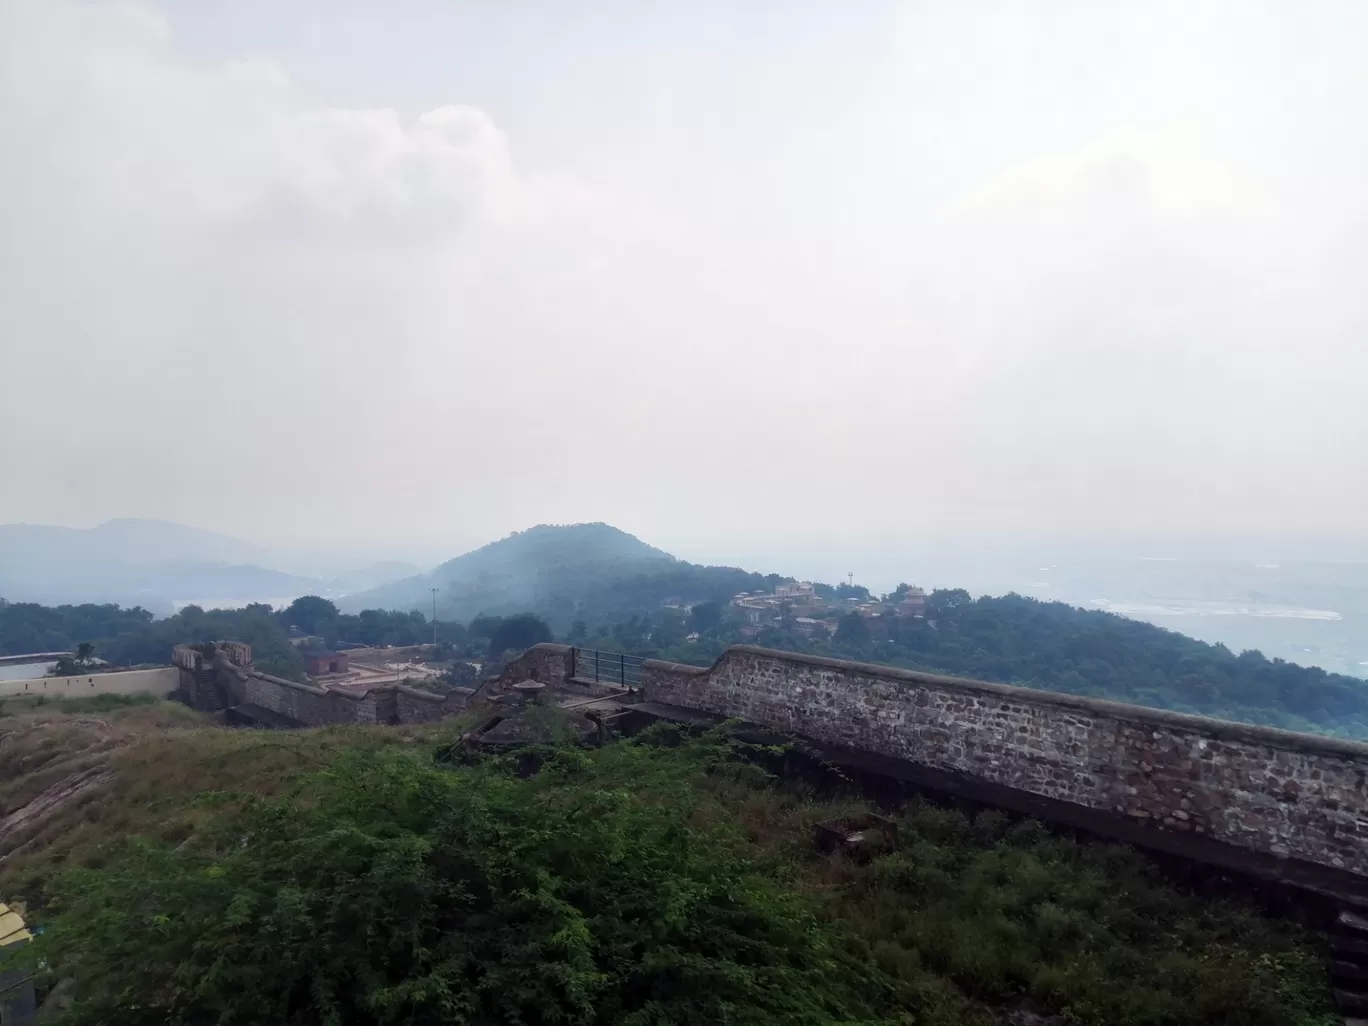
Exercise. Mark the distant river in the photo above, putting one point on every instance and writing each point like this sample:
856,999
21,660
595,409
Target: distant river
25,671
1146,610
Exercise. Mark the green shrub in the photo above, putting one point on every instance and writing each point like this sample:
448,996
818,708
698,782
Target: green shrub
397,892
107,702
646,883
1086,930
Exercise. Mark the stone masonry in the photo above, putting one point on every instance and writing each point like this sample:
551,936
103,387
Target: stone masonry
222,676
1256,788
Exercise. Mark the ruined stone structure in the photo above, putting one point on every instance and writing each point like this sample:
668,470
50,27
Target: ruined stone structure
220,676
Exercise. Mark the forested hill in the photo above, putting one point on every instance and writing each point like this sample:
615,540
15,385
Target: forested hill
600,587
1056,647
594,572
1087,652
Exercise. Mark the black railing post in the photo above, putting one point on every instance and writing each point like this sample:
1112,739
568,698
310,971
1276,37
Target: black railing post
596,655
622,668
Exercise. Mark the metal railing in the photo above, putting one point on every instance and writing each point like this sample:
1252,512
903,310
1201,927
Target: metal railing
608,667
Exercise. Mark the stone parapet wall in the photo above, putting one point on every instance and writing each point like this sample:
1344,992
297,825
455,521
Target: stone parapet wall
303,703
1260,789
413,705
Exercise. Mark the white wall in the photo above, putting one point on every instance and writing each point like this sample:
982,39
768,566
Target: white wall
161,681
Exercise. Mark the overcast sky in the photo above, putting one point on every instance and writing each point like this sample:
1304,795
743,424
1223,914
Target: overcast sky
727,275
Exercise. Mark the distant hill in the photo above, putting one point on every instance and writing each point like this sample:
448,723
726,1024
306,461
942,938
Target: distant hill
561,572
373,575
122,541
150,562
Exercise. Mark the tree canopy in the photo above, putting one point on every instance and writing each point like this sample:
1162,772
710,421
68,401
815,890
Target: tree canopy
517,633
705,616
1048,645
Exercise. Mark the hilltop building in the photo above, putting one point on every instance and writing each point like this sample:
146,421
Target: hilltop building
316,664
913,603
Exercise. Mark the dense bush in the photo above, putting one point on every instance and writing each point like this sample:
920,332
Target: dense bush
399,893
652,882
1008,912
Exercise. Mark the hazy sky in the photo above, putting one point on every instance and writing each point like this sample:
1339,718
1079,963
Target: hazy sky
728,275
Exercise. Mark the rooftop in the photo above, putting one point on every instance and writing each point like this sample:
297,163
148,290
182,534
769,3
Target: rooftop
12,928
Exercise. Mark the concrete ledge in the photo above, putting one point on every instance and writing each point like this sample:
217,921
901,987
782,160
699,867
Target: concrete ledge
690,668
431,696
160,682
312,689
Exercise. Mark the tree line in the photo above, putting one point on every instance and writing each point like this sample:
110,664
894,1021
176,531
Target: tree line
1009,639
1012,639
279,638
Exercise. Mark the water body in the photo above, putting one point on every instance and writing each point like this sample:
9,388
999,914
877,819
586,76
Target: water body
1148,610
26,671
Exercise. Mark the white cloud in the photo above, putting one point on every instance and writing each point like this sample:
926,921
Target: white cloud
965,296
100,95
1113,175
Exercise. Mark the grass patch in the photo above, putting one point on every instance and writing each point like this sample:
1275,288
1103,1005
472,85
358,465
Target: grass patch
107,702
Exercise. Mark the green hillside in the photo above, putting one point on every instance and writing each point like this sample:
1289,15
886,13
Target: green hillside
562,573
600,587
1048,645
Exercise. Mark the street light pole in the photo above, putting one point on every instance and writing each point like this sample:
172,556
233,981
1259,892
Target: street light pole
434,614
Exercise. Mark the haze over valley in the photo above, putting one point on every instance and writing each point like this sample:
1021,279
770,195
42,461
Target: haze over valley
1310,611
662,513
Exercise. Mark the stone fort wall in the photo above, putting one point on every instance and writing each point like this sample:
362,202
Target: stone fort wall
1286,795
